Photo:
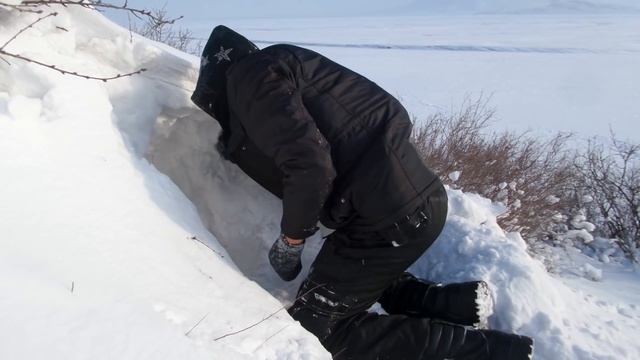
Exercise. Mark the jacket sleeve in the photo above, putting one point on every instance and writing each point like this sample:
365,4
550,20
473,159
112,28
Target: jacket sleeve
264,96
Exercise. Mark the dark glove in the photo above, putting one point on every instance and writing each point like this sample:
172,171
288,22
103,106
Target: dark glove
285,259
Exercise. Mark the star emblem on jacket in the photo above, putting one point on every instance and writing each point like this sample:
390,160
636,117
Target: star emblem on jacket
223,54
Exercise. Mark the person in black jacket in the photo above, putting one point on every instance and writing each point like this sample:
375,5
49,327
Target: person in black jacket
335,147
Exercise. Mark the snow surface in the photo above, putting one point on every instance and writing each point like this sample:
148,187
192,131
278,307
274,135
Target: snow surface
207,9
544,73
98,257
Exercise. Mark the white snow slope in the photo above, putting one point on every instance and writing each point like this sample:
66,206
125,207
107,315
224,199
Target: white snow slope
97,258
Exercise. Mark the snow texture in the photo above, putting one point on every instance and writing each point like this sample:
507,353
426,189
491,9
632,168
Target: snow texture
102,256
123,230
592,272
12,2
454,176
543,73
484,305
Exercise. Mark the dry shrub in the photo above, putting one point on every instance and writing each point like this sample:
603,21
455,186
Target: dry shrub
610,176
160,28
525,173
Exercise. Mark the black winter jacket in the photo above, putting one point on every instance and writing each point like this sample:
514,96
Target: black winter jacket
330,143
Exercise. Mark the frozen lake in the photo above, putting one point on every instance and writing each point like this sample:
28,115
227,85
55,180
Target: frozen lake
546,73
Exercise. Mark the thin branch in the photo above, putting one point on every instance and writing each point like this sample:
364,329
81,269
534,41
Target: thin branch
21,9
195,238
50,66
196,325
72,73
26,28
130,29
139,13
267,317
272,336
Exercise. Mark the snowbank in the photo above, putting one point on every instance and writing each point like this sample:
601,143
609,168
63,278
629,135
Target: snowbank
99,257
566,323
98,253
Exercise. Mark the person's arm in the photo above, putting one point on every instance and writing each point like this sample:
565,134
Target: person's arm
265,98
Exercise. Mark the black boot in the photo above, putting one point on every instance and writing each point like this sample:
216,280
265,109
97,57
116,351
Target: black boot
503,346
466,303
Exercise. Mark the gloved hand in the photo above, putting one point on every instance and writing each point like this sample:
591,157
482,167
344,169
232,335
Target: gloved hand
285,259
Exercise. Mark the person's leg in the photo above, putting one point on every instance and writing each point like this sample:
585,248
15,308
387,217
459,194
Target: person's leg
336,312
467,303
353,269
396,337
351,333
349,275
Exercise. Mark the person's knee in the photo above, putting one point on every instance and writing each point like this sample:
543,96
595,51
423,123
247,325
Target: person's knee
318,324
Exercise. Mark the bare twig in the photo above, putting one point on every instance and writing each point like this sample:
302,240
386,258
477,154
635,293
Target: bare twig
21,9
33,5
72,73
26,28
130,29
139,13
196,325
267,317
3,51
157,28
272,336
195,238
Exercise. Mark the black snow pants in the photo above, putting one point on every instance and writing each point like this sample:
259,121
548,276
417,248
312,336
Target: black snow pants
352,271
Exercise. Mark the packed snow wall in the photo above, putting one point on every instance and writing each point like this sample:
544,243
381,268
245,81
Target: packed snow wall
244,217
98,258
528,300
566,323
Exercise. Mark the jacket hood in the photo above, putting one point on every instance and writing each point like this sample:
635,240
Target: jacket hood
223,48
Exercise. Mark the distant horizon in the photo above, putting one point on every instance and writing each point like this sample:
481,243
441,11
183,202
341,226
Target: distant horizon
194,11
547,73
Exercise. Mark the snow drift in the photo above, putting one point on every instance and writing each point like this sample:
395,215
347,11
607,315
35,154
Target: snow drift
103,256
99,257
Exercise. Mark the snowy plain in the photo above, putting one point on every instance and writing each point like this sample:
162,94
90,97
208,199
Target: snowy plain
542,72
104,186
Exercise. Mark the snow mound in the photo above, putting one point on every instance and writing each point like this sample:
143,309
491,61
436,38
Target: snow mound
565,322
103,257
